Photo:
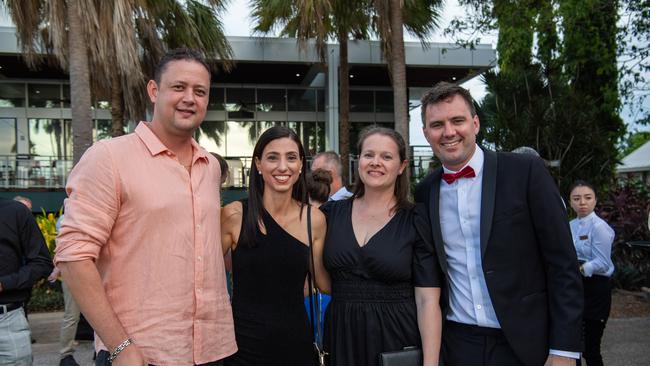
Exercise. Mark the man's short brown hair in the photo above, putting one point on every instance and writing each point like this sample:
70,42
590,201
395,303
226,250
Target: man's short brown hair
442,91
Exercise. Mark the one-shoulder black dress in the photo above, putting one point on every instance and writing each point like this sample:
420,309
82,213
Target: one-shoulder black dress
271,325
373,304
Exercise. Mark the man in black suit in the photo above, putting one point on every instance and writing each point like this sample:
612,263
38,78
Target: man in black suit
513,294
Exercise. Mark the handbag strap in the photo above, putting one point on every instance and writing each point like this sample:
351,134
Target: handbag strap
313,304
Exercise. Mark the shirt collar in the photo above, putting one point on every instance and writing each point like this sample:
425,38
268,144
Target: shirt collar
155,146
476,162
588,217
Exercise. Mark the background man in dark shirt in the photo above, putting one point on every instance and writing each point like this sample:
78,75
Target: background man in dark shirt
24,259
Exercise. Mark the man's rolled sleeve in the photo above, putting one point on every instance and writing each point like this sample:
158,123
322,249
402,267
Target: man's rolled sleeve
91,207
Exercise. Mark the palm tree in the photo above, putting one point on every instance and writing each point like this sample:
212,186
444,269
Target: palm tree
342,20
420,18
65,32
321,20
119,41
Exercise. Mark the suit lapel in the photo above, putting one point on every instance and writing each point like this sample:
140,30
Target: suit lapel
488,194
434,210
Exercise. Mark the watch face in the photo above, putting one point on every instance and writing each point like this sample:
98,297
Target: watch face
583,237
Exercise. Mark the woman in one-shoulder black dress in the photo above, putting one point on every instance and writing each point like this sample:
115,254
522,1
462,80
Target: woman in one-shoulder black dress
267,234
385,279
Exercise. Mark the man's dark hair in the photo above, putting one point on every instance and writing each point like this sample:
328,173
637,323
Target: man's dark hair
443,91
179,54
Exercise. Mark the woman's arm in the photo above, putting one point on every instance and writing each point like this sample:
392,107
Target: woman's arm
231,219
427,301
319,228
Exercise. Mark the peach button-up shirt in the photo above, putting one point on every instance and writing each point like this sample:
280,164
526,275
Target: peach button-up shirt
152,229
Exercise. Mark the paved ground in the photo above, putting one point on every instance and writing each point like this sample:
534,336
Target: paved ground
626,343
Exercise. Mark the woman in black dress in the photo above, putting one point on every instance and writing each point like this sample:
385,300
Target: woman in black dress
385,280
270,255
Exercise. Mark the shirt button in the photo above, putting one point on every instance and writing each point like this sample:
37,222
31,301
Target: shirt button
479,307
473,277
198,226
199,258
198,289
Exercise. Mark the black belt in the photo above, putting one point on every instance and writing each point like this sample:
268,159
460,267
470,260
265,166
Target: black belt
5,308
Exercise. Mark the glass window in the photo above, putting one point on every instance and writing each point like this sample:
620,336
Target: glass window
240,138
265,125
301,100
50,137
320,100
384,102
103,129
271,100
7,136
360,101
212,136
12,95
217,99
240,103
44,95
312,135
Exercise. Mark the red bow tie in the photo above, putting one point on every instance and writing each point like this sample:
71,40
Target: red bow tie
466,172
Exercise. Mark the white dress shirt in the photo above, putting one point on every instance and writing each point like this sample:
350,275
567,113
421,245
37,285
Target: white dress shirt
593,239
341,194
460,222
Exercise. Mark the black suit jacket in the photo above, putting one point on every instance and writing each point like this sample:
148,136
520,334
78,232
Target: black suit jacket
528,258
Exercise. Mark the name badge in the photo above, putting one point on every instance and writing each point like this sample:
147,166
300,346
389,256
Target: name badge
583,237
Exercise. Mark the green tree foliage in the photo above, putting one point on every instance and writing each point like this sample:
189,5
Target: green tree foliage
556,88
634,57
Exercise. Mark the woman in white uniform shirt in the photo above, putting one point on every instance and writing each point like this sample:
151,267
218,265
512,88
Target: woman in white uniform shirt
593,239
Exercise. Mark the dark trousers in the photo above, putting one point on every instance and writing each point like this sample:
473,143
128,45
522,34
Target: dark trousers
593,334
598,301
464,345
102,360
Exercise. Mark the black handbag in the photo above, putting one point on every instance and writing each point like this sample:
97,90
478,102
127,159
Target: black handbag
314,306
409,356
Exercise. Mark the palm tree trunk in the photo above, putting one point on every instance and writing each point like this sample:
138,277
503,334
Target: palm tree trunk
398,69
117,106
82,132
344,106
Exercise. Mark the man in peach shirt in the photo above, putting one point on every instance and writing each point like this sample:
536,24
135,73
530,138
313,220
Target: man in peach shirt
140,243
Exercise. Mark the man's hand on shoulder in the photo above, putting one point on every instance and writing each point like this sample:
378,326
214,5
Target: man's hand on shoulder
555,360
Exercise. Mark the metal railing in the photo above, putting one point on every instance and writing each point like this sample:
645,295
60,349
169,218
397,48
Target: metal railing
28,171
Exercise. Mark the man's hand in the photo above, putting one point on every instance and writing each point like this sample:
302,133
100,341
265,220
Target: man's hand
54,275
130,356
554,360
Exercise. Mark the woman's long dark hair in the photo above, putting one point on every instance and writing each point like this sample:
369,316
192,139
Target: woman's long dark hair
256,183
401,191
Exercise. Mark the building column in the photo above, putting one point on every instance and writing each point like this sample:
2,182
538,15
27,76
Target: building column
332,103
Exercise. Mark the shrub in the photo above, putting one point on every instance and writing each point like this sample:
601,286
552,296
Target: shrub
45,297
625,207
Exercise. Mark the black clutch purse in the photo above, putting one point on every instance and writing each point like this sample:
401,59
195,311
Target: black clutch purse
409,356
